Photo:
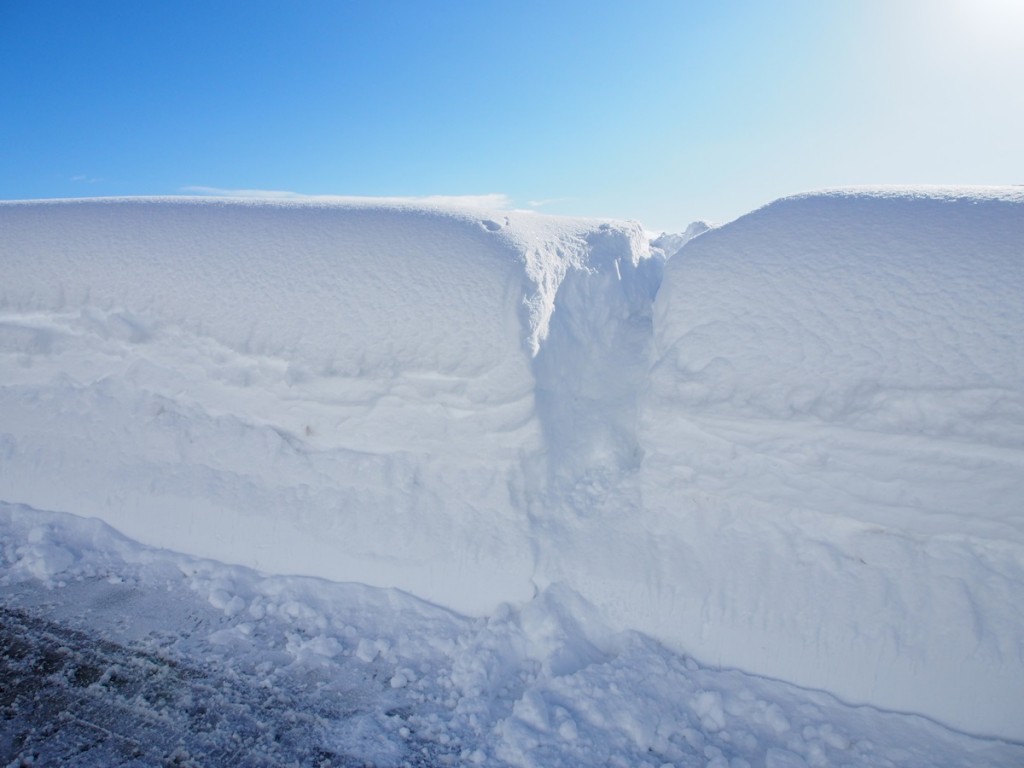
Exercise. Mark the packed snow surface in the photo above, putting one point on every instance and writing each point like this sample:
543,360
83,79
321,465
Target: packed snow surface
792,445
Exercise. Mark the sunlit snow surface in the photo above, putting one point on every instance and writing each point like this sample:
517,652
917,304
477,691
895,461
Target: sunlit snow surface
795,448
154,658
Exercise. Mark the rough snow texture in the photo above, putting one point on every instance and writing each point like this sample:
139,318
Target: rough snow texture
885,312
115,654
802,456
834,437
335,390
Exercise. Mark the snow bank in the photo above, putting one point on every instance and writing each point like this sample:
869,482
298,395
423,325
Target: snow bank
834,481
884,311
276,670
802,456
341,390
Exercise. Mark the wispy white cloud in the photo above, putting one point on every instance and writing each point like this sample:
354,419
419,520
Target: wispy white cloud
493,200
262,194
549,201
82,178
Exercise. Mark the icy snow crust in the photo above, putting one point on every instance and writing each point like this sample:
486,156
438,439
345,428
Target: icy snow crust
802,456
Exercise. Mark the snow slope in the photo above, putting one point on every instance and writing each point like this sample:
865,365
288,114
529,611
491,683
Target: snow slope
800,457
157,658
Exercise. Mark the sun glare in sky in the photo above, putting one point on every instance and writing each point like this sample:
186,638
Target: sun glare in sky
1000,20
978,29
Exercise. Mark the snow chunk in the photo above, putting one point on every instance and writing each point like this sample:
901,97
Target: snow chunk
44,559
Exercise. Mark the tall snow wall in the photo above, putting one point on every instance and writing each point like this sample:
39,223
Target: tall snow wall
835,450
341,390
803,456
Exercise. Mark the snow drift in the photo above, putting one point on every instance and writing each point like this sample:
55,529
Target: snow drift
802,455
349,391
838,385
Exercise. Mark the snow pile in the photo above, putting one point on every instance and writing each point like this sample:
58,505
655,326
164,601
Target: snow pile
834,482
794,448
202,663
881,311
340,390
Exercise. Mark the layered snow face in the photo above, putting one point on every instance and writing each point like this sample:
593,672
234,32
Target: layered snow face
795,448
888,312
834,479
255,669
344,390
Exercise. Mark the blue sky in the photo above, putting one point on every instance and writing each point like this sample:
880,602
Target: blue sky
662,111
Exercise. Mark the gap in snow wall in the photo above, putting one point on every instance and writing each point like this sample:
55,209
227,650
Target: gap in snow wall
803,458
